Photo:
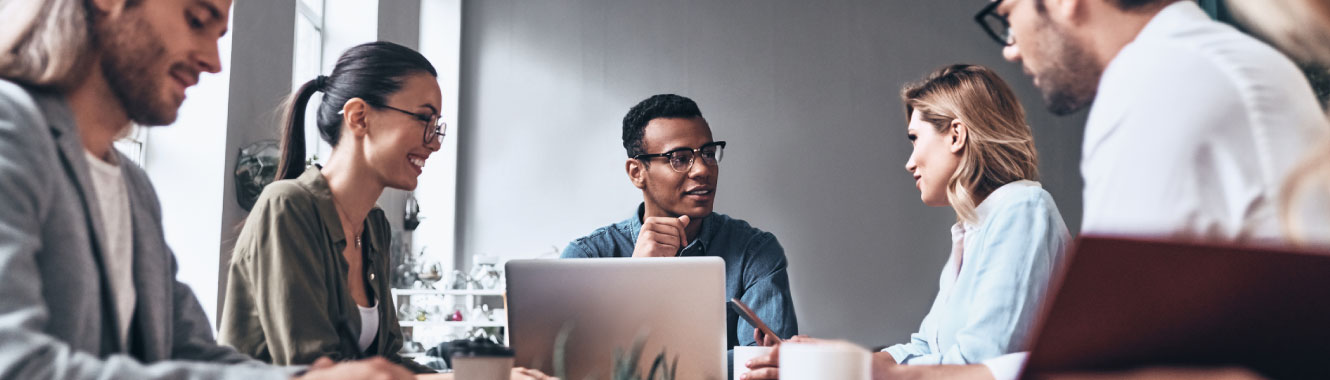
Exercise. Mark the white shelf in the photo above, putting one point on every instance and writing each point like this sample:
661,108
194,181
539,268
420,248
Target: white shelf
449,292
450,324
469,299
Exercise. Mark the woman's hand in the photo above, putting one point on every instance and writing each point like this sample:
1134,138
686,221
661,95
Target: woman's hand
374,368
884,367
768,366
518,373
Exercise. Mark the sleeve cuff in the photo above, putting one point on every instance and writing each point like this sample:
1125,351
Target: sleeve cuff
898,353
1007,367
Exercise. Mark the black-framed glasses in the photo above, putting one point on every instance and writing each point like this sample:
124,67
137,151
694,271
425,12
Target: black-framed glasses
681,160
434,124
995,24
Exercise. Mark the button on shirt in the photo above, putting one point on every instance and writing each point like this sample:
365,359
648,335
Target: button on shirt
755,267
991,287
1194,127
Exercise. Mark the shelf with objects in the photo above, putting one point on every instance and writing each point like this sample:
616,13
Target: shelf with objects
465,306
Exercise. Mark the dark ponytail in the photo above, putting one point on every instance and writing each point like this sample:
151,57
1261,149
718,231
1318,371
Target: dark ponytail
371,71
292,163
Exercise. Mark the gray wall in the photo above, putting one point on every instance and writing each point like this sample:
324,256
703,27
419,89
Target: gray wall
261,54
806,92
399,22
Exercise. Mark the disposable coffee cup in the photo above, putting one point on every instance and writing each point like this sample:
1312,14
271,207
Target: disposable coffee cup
827,360
742,354
482,361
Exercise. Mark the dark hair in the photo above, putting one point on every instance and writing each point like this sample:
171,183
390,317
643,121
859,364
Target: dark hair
370,71
667,106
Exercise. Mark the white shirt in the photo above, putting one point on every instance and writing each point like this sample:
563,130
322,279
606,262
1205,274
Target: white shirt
113,202
1193,129
1192,132
369,326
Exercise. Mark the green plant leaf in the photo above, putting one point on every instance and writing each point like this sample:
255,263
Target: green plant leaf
658,367
674,369
560,350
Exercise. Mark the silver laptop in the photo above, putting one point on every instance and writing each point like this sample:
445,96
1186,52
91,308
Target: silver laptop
678,304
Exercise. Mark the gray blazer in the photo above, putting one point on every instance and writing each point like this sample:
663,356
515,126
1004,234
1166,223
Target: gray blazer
57,314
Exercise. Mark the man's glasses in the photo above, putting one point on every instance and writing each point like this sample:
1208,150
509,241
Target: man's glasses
434,125
681,160
995,24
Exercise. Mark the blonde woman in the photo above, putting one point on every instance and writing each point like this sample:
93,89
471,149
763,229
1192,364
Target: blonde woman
974,152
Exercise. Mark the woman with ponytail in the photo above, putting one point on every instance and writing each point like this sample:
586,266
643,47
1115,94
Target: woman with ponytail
309,277
309,273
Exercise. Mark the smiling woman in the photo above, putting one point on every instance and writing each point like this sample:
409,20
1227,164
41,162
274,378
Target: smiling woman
309,277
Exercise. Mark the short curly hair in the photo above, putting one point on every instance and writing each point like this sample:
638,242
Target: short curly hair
668,106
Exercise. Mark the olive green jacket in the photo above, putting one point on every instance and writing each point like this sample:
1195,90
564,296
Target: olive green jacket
287,300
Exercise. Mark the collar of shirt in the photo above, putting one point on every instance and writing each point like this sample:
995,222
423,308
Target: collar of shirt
959,230
989,203
697,247
313,181
1172,17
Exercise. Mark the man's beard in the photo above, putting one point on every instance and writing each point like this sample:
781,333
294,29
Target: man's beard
130,52
1071,80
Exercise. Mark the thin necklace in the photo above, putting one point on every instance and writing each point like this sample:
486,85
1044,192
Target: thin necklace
344,220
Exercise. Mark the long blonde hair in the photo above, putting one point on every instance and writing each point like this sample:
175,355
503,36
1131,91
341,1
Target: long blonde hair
44,43
999,148
1311,178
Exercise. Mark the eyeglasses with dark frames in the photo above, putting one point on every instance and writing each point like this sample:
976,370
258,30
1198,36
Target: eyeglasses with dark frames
681,160
434,124
995,24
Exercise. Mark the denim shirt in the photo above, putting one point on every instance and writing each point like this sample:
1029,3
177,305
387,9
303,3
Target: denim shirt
992,285
754,267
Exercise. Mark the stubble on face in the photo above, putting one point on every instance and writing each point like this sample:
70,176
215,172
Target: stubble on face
133,57
1070,79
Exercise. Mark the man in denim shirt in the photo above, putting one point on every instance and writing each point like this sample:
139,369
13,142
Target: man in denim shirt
678,182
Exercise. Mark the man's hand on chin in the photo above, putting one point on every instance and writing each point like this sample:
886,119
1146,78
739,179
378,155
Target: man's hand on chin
661,237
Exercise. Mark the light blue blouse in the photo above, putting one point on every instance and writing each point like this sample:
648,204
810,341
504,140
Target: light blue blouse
991,287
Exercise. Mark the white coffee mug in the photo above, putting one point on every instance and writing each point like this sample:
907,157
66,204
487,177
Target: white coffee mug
742,354
825,360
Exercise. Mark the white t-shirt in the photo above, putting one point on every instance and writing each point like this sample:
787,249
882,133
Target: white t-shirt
113,202
369,326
